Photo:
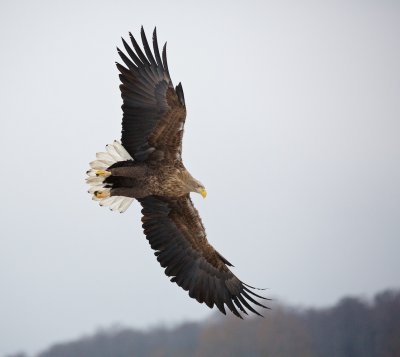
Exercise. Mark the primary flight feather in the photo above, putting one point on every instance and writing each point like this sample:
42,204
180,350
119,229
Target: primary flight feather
147,166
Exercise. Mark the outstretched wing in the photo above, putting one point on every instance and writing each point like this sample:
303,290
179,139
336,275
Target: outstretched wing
153,111
174,229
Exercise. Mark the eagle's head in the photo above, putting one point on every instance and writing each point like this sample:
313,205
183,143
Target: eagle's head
196,186
201,189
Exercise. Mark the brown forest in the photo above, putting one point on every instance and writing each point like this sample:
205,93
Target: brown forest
352,328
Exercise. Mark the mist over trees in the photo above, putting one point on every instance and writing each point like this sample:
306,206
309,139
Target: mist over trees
352,328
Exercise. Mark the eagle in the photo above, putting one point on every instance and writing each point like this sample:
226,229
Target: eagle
146,165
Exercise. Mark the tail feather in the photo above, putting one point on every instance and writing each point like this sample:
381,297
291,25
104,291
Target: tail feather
115,153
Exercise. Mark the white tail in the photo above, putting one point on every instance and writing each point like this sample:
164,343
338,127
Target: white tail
98,173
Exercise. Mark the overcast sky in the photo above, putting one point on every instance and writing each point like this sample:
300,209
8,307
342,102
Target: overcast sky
293,126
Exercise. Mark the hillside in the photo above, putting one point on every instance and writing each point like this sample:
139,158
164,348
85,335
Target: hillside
351,328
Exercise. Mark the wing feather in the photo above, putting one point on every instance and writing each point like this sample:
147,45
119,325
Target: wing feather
164,58
153,111
146,47
138,50
131,53
174,229
156,49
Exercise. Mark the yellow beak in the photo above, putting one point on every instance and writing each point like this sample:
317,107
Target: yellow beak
203,192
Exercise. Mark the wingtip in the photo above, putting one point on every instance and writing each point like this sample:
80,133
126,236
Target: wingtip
236,313
253,287
253,293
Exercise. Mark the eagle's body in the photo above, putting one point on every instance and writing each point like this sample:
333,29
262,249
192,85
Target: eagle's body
147,166
138,180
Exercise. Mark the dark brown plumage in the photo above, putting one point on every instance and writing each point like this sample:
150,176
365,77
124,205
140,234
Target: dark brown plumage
148,167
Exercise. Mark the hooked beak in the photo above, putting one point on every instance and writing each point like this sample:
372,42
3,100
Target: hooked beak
203,192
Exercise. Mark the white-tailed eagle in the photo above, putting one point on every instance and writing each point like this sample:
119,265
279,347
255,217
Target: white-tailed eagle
147,166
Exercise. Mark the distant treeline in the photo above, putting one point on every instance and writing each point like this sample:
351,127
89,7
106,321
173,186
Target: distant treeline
352,328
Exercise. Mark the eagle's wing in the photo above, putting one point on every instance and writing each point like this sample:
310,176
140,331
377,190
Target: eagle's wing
174,229
153,111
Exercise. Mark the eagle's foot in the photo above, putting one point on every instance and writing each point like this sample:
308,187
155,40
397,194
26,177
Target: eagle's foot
102,194
103,173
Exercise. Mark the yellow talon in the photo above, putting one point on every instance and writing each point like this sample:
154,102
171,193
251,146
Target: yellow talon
103,173
102,194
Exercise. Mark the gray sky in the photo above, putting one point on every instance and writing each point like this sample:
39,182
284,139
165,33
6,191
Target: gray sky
293,126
